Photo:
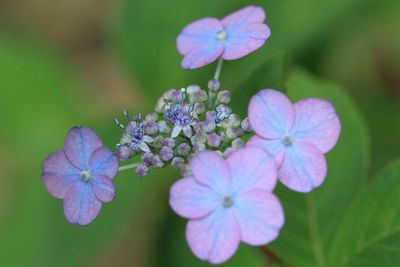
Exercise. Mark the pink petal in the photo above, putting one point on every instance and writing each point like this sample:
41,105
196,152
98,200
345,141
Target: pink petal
245,40
103,188
214,238
247,15
58,174
103,161
304,167
80,144
80,204
252,168
260,217
316,122
210,169
192,200
201,56
271,114
198,43
273,147
246,32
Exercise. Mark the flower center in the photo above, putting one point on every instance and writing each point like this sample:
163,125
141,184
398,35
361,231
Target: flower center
86,176
221,35
287,141
227,202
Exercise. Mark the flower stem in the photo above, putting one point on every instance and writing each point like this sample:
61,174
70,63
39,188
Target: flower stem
128,167
272,258
219,68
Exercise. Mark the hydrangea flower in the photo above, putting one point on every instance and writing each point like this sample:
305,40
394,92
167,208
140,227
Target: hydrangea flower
297,135
238,34
181,115
81,175
228,201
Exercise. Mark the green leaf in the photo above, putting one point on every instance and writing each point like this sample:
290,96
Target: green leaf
270,74
176,251
369,235
312,219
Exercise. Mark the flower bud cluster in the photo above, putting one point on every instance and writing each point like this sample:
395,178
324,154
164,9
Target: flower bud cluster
184,122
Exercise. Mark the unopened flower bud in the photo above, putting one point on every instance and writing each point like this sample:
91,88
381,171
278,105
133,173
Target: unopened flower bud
199,138
199,147
170,142
235,120
199,96
163,127
209,123
213,140
183,149
191,89
224,97
151,127
148,158
186,170
124,153
199,108
213,85
142,170
237,144
151,117
177,162
158,142
160,105
245,125
228,151
166,153
157,162
232,132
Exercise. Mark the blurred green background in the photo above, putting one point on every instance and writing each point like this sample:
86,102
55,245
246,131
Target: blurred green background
66,63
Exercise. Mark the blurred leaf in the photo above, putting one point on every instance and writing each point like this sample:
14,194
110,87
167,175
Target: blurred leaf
177,253
370,233
270,74
312,219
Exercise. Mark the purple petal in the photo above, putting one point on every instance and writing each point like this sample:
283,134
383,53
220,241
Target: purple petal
210,169
273,147
260,217
214,238
198,43
252,168
246,32
271,114
103,188
316,122
80,144
103,161
80,204
58,174
304,167
192,200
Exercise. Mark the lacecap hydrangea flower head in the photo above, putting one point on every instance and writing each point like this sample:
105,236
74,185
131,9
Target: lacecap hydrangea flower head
226,189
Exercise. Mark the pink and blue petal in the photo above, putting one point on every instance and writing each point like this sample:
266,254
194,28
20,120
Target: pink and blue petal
103,188
251,168
304,167
316,122
80,204
210,169
103,161
214,238
245,31
59,174
271,114
273,147
260,217
192,200
80,144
